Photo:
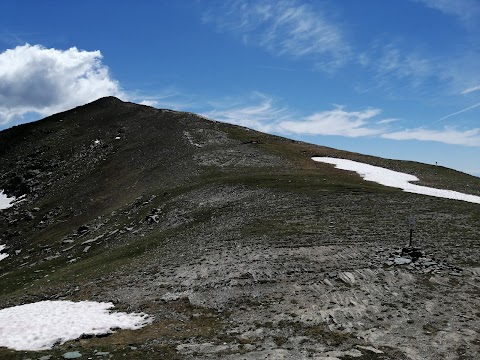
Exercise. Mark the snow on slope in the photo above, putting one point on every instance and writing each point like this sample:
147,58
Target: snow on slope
40,325
5,202
395,179
2,256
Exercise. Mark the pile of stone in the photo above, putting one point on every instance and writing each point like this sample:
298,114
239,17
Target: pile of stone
416,260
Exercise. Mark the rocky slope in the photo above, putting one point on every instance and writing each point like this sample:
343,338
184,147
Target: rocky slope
236,242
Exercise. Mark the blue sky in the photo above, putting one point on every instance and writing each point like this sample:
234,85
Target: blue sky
398,79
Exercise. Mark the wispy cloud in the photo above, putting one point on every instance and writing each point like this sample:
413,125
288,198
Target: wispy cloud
279,68
397,66
263,113
149,102
459,112
284,27
392,64
465,10
401,64
10,38
447,135
257,111
304,30
335,122
166,99
471,89
388,121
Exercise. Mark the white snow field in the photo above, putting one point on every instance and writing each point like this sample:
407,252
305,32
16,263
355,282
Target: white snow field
395,179
2,256
41,325
5,202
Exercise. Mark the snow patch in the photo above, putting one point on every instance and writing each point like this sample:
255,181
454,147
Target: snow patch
395,179
3,256
5,202
41,325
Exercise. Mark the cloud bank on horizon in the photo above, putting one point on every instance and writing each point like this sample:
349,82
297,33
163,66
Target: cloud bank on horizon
261,112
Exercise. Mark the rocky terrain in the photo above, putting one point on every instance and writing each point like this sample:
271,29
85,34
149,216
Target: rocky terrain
235,242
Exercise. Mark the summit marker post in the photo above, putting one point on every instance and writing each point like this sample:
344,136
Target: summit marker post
412,222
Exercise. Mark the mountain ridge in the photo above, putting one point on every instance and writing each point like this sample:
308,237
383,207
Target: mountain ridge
231,236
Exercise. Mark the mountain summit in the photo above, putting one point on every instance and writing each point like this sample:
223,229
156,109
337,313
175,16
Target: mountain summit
234,242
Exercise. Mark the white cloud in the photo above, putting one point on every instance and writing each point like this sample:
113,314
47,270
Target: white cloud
335,122
258,112
284,27
34,79
472,89
447,135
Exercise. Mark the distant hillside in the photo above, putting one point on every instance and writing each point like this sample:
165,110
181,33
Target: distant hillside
235,241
